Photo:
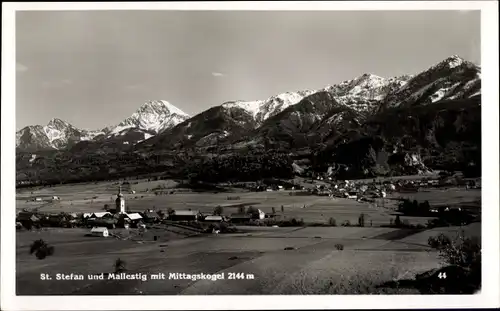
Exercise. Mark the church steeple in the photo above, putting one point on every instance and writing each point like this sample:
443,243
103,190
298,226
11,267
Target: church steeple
120,202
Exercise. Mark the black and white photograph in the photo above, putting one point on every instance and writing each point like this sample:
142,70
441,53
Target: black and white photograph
202,151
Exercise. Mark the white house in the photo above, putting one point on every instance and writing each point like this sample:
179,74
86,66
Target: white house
55,198
134,216
351,195
262,215
99,231
213,218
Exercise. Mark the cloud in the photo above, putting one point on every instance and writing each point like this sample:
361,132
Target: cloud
134,87
218,74
21,68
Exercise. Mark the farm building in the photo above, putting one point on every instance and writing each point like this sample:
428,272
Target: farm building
213,218
55,220
108,221
179,215
55,198
134,216
351,195
100,231
101,215
239,218
149,215
122,221
27,219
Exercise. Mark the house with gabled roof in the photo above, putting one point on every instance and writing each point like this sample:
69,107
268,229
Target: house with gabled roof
184,215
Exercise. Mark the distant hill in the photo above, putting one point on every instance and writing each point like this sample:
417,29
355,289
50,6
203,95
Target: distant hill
367,126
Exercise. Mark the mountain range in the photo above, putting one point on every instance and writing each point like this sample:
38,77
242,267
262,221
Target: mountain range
321,121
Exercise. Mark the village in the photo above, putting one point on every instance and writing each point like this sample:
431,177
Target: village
148,225
121,216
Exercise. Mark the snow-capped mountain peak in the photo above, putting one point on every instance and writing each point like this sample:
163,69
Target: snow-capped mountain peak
58,123
161,106
54,135
264,109
153,116
363,92
454,61
452,78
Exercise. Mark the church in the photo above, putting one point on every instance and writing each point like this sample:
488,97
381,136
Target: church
120,202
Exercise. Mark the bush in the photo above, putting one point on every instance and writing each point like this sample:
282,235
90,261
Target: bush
462,251
463,256
438,242
332,222
339,247
346,223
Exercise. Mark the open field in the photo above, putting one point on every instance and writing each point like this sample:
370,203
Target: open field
313,266
453,196
372,254
92,197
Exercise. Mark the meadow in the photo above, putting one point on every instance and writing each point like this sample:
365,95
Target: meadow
291,260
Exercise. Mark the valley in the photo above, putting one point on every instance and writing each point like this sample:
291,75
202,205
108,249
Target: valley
370,255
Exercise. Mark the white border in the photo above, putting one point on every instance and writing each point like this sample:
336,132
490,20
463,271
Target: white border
489,62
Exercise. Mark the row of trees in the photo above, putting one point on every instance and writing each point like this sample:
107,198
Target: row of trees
240,168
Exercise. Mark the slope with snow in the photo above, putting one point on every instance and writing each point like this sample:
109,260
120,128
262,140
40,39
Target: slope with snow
154,116
55,135
262,110
452,78
365,92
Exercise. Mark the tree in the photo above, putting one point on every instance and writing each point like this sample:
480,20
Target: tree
241,210
361,220
41,249
282,209
218,210
274,211
119,265
397,222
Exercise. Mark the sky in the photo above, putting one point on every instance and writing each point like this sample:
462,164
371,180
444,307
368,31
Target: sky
95,68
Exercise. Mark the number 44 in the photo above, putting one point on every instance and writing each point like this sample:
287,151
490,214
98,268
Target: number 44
442,275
